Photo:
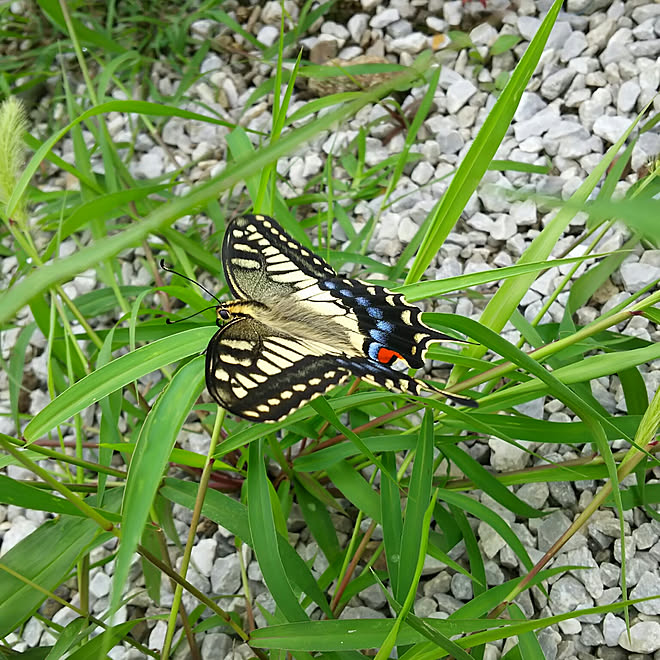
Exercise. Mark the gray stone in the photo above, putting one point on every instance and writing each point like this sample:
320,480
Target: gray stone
645,536
644,637
203,555
226,575
447,603
440,584
573,46
458,94
590,577
611,128
425,606
627,97
494,574
552,528
557,83
610,574
99,585
361,612
216,645
357,25
506,456
534,493
636,276
461,586
489,540
412,43
568,595
591,635
647,586
638,565
613,626
563,493
384,18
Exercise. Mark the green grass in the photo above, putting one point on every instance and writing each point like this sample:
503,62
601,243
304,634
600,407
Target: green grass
124,487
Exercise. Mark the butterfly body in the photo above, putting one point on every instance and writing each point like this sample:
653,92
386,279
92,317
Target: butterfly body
298,329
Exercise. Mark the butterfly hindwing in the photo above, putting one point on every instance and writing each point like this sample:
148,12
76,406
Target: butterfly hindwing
258,373
391,328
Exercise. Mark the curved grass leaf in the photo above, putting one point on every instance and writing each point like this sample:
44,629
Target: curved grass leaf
148,462
117,374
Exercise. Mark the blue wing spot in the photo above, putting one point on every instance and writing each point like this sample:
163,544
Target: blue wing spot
379,335
361,300
328,284
346,293
373,351
385,326
377,313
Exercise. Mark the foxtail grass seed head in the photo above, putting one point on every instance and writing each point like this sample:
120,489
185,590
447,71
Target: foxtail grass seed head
13,125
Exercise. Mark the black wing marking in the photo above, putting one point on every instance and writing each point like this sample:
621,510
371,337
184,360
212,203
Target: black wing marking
262,262
392,328
263,375
385,376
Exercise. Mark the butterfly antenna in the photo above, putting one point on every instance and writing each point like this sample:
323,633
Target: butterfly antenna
185,277
185,318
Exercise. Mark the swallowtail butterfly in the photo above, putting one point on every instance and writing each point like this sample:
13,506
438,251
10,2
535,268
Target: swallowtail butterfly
297,328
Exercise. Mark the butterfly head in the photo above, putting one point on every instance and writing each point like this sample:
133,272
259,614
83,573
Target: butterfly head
235,309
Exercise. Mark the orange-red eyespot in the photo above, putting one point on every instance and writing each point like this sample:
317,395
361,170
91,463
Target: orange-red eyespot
387,356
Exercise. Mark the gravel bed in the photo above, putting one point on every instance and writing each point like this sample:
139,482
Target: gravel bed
601,67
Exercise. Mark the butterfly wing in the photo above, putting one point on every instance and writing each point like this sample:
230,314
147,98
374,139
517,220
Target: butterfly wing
262,262
391,328
385,376
261,374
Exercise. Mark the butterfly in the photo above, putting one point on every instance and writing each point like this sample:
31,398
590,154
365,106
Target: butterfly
296,328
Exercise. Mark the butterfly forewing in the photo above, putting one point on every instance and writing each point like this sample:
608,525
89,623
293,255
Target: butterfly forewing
262,262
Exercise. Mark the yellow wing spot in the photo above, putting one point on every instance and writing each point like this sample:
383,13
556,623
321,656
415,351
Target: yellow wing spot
268,367
389,384
250,413
253,230
245,381
221,374
270,251
315,381
347,282
390,300
286,395
232,359
262,407
273,402
260,378
329,374
299,387
238,233
265,223
238,344
403,384
406,316
371,290
239,392
248,264
420,336
279,360
245,248
263,242
292,245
